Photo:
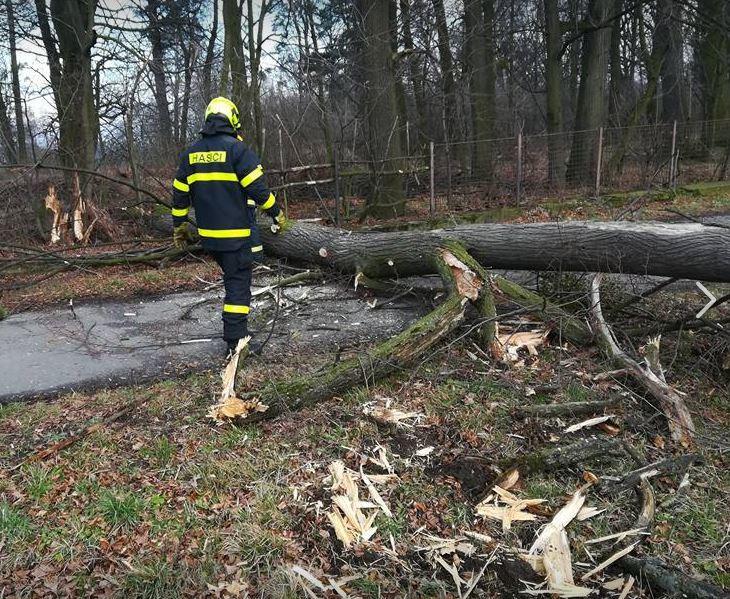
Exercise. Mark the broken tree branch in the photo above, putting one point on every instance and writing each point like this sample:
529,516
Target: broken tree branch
459,272
571,408
675,410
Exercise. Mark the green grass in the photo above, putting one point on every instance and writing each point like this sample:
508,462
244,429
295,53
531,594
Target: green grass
13,524
576,392
160,452
39,480
155,580
121,510
3,312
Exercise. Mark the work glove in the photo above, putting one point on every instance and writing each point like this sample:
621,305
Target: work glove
181,236
281,223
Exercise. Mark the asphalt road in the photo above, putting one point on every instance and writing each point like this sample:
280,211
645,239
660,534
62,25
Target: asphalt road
96,344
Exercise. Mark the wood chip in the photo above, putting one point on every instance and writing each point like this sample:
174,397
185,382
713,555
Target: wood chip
618,535
588,423
607,562
627,588
564,516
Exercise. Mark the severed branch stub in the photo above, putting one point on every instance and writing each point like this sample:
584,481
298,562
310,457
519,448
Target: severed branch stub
678,417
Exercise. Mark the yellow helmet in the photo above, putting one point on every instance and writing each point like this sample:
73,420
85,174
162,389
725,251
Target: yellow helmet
226,108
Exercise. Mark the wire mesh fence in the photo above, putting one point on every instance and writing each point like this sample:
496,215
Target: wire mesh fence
438,178
521,170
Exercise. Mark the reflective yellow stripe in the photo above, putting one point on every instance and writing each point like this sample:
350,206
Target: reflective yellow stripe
250,202
180,211
212,177
224,233
252,176
257,248
180,186
236,309
268,203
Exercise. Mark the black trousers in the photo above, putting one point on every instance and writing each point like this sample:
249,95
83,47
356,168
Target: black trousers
236,266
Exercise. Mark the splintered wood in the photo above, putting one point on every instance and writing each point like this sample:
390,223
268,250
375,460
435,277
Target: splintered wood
550,553
230,407
351,517
468,283
504,506
384,414
507,345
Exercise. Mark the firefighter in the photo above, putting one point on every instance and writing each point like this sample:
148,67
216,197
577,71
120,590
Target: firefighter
222,178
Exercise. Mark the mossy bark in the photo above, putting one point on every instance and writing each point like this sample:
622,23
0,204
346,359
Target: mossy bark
394,354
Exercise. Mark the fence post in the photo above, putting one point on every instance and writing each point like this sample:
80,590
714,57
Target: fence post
518,187
432,203
599,160
672,166
337,187
283,174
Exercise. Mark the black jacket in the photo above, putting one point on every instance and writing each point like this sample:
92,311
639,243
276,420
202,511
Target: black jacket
223,180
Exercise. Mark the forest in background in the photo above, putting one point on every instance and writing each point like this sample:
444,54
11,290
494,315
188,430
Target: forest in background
370,85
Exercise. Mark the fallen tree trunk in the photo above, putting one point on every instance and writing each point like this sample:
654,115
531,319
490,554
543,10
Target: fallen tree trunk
692,251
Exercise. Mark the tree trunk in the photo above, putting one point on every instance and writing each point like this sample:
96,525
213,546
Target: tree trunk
157,66
653,64
615,88
6,132
691,251
554,96
234,62
447,75
400,90
464,280
714,61
668,33
414,71
254,90
480,58
188,49
387,196
17,100
209,55
73,21
591,93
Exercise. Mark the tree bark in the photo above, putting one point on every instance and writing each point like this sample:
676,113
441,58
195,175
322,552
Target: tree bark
234,63
17,100
668,33
414,71
6,132
692,251
70,69
480,58
157,66
554,94
616,84
714,66
387,196
446,62
591,93
460,275
661,576
209,55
